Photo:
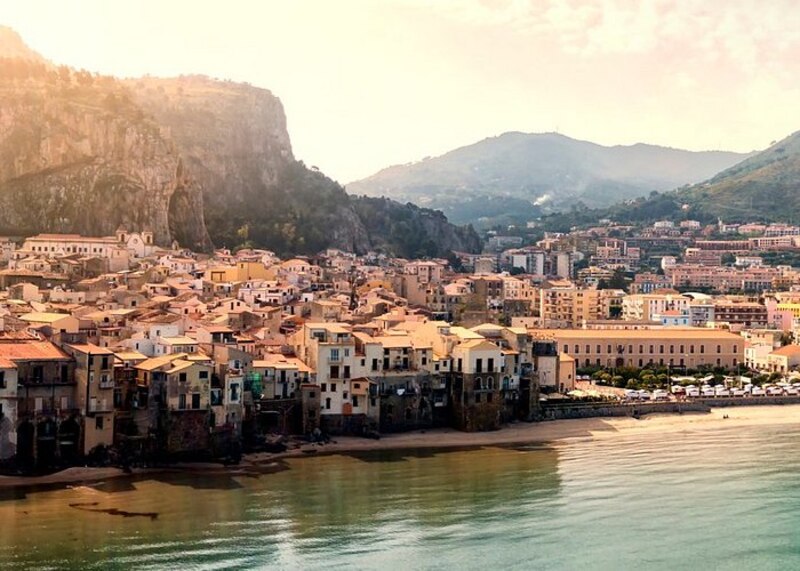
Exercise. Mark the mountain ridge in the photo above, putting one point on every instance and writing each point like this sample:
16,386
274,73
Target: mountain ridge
548,171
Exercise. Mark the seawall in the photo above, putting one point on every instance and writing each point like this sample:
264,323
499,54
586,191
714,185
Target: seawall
558,411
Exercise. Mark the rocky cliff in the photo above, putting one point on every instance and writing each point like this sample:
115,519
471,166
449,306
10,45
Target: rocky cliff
78,155
196,160
235,142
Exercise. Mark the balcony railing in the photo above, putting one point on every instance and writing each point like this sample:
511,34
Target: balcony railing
100,406
35,381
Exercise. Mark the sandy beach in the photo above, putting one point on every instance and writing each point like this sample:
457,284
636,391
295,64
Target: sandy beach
551,432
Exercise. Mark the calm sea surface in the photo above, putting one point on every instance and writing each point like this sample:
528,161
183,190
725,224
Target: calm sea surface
727,499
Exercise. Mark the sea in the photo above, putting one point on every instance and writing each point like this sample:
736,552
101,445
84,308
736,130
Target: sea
704,499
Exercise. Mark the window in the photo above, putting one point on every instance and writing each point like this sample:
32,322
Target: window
234,392
719,348
312,395
347,352
355,400
182,377
334,354
641,349
104,363
661,349
181,401
609,349
598,349
327,404
196,400
577,349
2,379
98,422
203,374
374,364
702,348
333,387
324,387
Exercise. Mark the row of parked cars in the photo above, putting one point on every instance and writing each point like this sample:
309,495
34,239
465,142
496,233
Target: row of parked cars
711,391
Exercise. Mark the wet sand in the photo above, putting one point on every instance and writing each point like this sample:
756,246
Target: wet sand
551,432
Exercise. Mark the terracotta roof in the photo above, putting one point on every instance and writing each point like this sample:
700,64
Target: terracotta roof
788,351
91,348
676,333
31,351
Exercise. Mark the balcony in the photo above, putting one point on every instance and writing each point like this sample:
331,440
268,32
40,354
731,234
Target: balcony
41,382
102,405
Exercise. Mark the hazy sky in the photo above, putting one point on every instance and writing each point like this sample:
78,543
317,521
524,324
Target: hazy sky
369,83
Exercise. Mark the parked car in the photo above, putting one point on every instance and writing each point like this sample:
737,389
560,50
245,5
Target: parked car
660,394
707,391
631,394
775,391
758,392
736,392
644,395
722,391
692,391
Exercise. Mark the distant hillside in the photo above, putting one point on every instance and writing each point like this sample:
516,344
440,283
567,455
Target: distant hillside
765,186
516,176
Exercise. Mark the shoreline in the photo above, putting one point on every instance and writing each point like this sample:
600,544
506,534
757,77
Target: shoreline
553,432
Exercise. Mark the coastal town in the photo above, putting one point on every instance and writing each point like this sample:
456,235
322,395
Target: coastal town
113,347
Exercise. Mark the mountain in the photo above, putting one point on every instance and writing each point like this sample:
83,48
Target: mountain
516,176
198,161
752,189
764,187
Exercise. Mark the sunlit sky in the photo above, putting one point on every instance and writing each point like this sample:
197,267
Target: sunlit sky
370,83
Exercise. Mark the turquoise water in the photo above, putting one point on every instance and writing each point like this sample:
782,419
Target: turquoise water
725,499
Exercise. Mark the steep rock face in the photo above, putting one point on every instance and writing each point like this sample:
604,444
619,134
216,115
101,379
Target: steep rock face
77,155
233,136
234,140
192,159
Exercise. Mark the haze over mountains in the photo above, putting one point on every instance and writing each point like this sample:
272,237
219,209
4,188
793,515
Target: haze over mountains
196,160
516,176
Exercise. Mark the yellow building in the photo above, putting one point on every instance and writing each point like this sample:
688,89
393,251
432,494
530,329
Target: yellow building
673,346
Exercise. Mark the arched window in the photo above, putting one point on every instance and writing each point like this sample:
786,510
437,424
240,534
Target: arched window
477,384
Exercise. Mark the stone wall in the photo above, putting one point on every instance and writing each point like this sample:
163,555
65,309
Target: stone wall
591,410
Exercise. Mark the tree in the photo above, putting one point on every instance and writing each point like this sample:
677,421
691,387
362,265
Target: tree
617,281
